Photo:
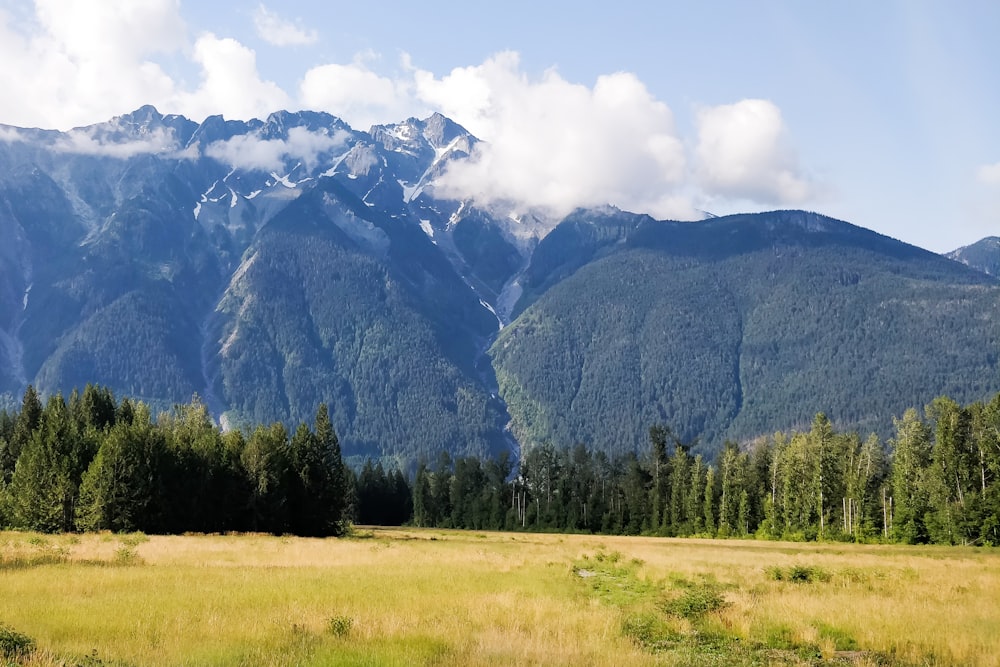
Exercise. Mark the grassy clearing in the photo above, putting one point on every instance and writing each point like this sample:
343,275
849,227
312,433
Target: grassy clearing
401,597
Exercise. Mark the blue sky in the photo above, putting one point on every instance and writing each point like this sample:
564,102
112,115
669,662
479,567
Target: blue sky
883,114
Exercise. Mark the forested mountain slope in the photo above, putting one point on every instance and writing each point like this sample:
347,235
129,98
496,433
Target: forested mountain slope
268,266
273,265
738,326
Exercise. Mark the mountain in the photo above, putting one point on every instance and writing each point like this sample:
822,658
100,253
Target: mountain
983,255
271,265
265,265
735,327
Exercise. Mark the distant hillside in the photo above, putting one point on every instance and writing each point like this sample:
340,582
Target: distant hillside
737,326
983,255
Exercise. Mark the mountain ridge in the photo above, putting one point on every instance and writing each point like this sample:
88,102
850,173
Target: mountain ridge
270,265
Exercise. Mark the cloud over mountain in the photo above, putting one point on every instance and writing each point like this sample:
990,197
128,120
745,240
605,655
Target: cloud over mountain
743,151
559,145
247,151
549,142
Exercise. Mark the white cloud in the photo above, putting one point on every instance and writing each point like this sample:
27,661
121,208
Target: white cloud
85,60
251,152
230,82
558,145
275,30
989,174
743,152
357,94
83,142
551,143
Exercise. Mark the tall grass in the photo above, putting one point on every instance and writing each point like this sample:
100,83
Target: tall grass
401,597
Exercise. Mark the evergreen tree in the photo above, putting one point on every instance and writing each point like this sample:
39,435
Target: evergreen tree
27,421
423,501
46,479
117,492
333,494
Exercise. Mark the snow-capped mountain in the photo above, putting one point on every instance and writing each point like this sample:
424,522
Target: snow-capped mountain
274,264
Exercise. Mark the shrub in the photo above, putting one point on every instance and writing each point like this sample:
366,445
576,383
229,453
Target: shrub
798,574
340,626
696,600
14,645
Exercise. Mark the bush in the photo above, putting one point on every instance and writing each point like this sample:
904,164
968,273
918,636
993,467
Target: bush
340,626
14,645
696,600
126,555
799,574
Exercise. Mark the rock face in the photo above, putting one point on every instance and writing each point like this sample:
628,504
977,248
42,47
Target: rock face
271,265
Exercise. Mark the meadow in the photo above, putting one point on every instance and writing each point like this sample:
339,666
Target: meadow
434,597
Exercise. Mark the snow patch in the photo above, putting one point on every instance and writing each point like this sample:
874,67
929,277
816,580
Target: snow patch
253,194
426,226
490,308
197,210
27,291
283,180
234,200
409,191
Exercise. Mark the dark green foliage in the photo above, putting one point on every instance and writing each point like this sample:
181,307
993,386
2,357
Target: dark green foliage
340,626
117,491
695,599
317,486
801,574
45,485
15,646
938,482
108,466
383,498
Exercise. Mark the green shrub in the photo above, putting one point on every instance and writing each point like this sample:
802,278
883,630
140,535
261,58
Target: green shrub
798,574
696,601
649,631
127,556
14,645
340,626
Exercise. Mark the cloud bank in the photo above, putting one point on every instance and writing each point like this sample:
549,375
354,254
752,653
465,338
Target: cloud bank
549,142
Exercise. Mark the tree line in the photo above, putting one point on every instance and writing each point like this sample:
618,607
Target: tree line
936,480
94,463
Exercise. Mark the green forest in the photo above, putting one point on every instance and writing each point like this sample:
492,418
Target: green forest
96,463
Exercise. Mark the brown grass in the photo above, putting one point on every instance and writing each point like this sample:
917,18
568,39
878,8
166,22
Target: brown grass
448,597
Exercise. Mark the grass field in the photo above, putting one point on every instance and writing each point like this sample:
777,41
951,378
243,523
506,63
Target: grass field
431,597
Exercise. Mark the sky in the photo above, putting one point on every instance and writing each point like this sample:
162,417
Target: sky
883,114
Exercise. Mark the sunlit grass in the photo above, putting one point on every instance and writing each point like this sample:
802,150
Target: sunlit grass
402,597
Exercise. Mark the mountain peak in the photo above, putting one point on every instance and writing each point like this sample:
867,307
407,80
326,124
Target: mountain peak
983,255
